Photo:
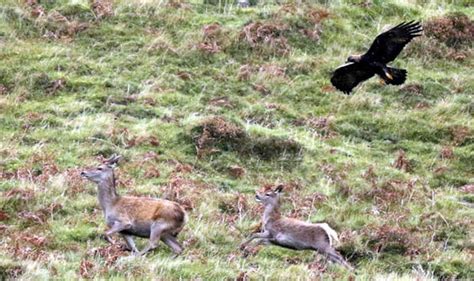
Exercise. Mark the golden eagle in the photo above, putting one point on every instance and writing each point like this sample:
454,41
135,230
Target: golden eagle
384,49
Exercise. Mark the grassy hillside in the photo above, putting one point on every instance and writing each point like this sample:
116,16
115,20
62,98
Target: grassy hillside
209,103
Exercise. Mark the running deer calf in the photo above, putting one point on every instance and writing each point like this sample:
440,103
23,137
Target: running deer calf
292,233
156,219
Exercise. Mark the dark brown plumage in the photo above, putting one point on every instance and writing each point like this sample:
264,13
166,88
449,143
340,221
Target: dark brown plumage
385,48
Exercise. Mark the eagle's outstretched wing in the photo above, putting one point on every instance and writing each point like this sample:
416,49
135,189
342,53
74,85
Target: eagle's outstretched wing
347,76
389,44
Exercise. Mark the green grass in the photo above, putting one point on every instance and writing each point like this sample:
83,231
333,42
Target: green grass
139,83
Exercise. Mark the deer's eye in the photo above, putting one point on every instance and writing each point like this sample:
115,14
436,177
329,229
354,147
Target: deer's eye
268,194
100,169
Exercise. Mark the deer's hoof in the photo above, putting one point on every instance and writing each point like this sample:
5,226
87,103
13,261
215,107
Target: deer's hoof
137,254
124,247
107,238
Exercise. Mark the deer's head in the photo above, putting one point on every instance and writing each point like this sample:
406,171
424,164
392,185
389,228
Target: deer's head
103,172
270,197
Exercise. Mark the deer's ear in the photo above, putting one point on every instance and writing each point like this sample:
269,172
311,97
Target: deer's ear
113,160
279,188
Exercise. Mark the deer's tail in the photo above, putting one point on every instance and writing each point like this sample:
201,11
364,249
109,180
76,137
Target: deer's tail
331,233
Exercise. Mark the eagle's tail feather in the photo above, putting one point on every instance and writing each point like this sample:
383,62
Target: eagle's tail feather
395,76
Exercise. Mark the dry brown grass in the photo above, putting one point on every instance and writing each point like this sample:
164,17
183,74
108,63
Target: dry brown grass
320,126
460,134
53,24
214,39
390,238
454,30
102,8
402,162
447,37
260,34
412,89
237,171
216,133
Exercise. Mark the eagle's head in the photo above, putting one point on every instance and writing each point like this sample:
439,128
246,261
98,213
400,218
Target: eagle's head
354,58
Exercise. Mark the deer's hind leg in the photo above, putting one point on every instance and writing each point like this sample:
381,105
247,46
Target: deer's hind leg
130,243
332,255
171,241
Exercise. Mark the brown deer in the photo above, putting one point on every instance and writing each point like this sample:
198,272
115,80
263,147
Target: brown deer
292,233
156,219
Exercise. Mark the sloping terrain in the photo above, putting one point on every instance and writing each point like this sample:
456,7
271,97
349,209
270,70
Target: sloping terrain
209,103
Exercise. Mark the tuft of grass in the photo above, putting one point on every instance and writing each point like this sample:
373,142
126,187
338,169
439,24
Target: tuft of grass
215,134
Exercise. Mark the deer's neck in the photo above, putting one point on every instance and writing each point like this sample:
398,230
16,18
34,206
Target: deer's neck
107,194
271,213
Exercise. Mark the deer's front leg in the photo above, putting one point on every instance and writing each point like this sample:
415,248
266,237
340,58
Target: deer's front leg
117,226
261,235
265,241
130,244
